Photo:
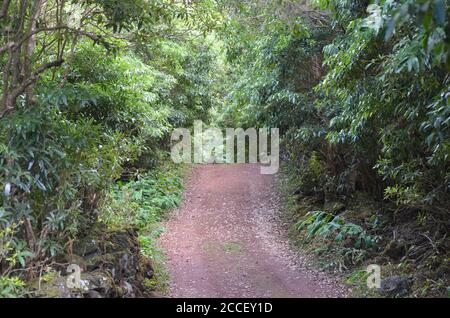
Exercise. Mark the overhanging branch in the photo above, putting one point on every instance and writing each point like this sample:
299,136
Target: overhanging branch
11,98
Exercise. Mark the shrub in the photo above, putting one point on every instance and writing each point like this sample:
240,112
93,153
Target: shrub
326,225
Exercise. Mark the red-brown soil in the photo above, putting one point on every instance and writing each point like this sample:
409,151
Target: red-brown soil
226,240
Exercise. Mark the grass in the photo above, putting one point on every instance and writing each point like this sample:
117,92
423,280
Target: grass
232,247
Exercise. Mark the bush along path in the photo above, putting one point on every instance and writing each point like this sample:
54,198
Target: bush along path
117,256
91,91
226,240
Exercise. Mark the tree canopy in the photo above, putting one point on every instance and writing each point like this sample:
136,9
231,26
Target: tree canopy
91,89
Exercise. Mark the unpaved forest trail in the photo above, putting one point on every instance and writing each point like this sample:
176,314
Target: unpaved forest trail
225,240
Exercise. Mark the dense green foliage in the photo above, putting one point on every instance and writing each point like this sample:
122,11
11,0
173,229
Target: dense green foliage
90,93
91,90
361,95
142,203
376,114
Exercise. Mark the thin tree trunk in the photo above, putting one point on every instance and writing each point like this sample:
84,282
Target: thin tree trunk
4,9
29,49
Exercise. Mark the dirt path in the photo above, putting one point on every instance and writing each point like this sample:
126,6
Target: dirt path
224,240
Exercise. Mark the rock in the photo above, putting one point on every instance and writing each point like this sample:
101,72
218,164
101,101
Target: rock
75,259
99,281
56,287
102,261
111,266
128,289
394,286
87,246
94,294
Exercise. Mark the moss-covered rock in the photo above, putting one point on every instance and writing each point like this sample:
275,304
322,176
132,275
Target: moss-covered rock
111,266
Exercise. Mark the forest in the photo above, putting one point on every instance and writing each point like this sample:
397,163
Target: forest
92,89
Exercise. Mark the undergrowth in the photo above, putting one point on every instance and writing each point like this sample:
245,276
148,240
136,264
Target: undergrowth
143,204
345,241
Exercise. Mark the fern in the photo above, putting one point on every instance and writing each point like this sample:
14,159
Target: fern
325,225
